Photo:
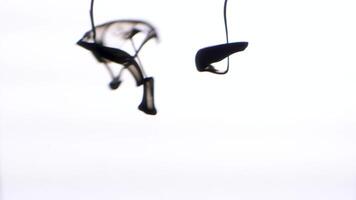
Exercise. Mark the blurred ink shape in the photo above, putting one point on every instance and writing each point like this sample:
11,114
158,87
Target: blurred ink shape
205,57
97,41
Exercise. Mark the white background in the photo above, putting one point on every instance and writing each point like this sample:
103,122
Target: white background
280,125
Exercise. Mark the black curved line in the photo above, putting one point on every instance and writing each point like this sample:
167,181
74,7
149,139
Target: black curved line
92,20
138,58
227,42
225,20
227,39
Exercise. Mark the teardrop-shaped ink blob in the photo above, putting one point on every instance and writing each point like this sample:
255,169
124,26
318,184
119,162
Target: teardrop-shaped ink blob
205,57
115,83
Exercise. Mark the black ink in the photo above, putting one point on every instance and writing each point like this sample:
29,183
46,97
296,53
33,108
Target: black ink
205,57
108,54
123,30
147,103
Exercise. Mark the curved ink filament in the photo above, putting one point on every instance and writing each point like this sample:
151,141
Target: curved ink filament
205,57
92,19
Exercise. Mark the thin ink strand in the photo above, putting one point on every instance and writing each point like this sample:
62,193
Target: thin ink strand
138,58
227,36
92,20
225,21
111,73
227,41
